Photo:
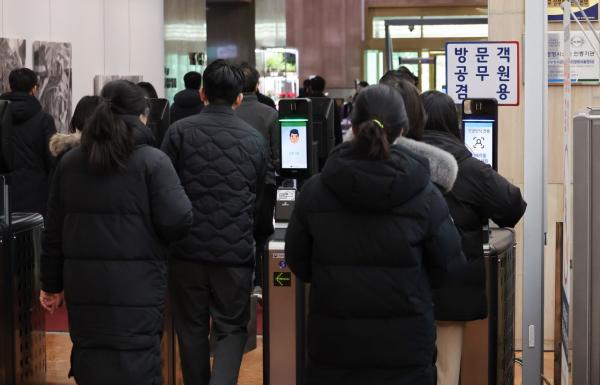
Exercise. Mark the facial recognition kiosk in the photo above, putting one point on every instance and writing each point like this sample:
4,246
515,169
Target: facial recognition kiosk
284,294
480,129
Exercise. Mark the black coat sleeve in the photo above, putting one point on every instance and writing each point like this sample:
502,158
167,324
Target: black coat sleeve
171,208
52,259
443,254
299,241
500,200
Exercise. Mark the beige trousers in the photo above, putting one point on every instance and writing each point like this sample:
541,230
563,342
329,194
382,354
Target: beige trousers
449,350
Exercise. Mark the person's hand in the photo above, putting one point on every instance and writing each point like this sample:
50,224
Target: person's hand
51,301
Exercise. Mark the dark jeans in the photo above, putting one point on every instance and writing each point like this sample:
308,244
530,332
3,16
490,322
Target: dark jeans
263,229
202,292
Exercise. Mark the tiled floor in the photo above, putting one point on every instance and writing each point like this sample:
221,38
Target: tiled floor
58,347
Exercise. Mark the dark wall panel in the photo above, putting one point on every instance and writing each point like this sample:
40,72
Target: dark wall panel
230,31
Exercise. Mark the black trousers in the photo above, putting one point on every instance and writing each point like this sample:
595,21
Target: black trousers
263,229
202,292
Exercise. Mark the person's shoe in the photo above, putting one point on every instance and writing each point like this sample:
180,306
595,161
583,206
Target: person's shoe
257,292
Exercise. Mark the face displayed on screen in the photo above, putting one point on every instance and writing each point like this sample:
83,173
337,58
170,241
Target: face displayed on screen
294,151
294,136
479,139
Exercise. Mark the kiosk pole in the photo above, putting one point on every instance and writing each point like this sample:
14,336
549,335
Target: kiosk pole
535,166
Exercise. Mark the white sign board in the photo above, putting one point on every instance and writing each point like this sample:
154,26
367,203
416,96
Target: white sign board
585,64
489,70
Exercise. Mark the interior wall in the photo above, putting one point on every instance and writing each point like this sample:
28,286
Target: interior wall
111,37
328,36
230,31
507,23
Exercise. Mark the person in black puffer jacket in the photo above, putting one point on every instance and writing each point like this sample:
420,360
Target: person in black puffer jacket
115,205
222,163
25,153
187,102
372,235
479,194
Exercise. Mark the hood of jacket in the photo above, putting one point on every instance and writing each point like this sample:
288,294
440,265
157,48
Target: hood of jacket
22,106
375,184
442,165
187,99
61,143
449,143
142,134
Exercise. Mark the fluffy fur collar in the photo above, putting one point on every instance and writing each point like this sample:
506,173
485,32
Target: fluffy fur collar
443,166
60,143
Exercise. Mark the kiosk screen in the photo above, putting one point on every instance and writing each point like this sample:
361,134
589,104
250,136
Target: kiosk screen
479,139
294,144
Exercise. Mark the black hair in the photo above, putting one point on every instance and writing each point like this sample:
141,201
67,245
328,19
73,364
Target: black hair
22,80
379,117
306,83
294,131
363,84
85,108
317,84
251,77
149,90
106,139
412,104
192,80
441,113
401,73
222,83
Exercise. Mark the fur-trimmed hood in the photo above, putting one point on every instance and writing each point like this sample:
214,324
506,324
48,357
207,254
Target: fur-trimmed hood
443,166
61,143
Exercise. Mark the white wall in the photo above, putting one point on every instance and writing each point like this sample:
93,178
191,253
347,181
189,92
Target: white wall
108,37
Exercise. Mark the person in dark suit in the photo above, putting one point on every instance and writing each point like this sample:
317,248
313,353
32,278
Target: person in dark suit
265,120
187,102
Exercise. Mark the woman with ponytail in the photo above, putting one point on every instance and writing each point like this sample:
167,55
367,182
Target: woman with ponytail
115,205
373,236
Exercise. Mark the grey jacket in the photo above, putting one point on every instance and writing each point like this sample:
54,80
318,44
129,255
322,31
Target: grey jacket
266,121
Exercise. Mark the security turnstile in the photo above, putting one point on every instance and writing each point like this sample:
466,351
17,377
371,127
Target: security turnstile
488,350
22,323
284,303
586,249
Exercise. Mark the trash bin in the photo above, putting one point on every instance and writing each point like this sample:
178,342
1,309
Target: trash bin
22,325
489,347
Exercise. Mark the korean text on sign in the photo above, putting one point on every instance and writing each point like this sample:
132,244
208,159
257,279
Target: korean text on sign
483,70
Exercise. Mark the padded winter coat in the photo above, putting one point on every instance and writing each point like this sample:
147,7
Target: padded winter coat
372,238
221,161
186,103
479,194
105,244
26,154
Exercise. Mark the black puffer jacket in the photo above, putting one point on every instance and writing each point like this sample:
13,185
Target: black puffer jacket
371,237
105,243
221,161
479,194
186,103
26,154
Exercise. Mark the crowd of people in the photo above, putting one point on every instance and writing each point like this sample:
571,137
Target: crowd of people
389,234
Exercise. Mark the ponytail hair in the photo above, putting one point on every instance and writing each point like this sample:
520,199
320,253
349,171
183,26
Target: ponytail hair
106,139
379,117
372,139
